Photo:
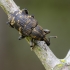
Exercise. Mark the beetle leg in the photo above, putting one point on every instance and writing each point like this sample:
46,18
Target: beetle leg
9,24
46,31
20,32
21,37
32,44
32,16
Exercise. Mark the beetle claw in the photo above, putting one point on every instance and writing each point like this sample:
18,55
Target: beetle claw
32,16
21,37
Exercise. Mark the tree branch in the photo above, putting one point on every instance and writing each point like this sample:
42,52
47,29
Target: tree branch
48,59
8,6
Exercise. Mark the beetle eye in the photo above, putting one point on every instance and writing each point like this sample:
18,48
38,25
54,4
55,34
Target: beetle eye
24,11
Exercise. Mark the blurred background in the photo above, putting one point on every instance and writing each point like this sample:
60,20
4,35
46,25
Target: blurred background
51,14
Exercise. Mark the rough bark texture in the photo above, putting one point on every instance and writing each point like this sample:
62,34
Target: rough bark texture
48,59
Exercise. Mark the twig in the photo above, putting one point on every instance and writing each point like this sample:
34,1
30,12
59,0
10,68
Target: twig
48,59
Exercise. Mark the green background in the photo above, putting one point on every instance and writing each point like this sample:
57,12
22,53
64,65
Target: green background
51,14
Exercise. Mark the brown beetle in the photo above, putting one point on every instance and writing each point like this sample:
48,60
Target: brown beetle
28,26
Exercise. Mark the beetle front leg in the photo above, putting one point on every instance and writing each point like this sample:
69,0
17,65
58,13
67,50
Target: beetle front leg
21,35
9,22
46,31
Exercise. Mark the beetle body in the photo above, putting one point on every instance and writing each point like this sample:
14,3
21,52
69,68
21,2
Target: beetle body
27,26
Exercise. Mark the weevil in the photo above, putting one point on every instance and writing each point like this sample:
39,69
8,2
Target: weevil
28,26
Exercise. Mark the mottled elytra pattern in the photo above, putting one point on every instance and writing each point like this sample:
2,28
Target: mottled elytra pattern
27,26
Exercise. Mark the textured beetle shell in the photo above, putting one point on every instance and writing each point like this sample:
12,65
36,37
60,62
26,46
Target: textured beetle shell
27,26
26,22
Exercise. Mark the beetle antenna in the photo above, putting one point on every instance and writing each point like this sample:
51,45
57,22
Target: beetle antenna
52,37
